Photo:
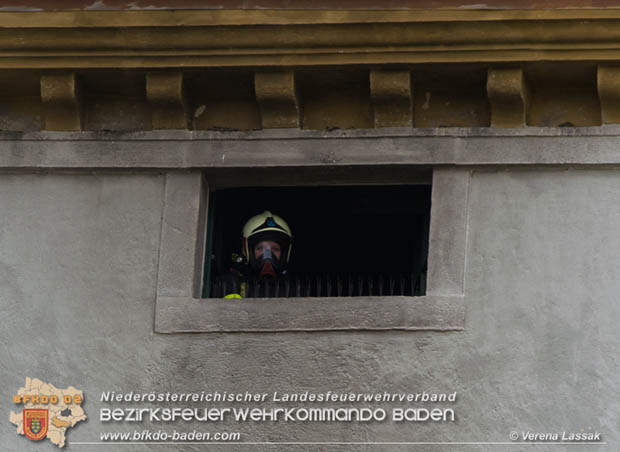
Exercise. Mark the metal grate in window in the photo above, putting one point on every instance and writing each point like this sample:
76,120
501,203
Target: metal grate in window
349,285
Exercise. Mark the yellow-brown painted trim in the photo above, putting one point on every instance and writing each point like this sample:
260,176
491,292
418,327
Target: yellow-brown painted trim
160,39
181,18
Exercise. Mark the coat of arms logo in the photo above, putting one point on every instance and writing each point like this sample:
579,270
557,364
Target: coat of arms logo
46,411
35,423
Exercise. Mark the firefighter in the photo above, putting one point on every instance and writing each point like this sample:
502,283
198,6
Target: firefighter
266,249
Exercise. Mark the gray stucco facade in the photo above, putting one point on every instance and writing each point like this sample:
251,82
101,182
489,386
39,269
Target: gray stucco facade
79,258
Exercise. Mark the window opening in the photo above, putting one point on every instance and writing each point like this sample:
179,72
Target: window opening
347,241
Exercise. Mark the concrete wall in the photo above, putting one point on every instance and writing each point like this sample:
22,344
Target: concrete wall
78,265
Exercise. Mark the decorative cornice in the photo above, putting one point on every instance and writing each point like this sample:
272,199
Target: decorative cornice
392,98
278,99
508,96
608,87
60,95
167,98
160,39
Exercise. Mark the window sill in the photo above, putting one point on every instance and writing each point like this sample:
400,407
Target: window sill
214,315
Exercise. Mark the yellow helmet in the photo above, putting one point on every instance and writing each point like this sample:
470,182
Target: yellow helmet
267,226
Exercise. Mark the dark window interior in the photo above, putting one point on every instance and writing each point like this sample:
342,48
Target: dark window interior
354,240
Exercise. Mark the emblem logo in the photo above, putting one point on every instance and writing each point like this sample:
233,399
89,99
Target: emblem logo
35,423
46,411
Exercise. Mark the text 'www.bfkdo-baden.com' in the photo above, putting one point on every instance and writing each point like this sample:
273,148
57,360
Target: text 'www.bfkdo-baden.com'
175,436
